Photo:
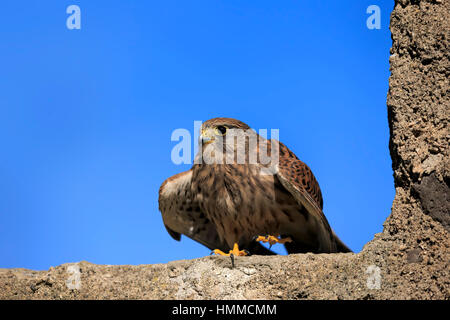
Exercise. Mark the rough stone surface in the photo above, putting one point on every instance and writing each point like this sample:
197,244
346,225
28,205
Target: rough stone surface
411,255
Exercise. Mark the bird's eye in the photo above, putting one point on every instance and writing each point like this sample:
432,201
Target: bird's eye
221,130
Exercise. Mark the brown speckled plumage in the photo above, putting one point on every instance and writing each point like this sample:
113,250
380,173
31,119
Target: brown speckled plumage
222,204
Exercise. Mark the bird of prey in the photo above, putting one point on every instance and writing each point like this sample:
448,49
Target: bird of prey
230,205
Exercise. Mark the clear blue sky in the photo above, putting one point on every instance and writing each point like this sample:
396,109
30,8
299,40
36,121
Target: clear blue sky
86,115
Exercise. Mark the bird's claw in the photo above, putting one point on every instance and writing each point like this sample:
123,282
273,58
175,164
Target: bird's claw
272,240
232,253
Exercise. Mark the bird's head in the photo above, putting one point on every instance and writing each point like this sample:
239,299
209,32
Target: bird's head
222,137
230,141
217,129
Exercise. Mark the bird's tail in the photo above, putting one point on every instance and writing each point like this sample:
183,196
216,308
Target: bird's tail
340,246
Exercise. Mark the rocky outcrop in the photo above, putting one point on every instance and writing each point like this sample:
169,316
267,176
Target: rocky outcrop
408,260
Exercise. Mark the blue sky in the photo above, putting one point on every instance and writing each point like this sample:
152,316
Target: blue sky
86,115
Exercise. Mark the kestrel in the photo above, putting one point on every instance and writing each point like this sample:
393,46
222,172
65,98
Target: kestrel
229,205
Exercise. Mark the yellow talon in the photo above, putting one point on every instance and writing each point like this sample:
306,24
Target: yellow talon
232,253
273,239
235,252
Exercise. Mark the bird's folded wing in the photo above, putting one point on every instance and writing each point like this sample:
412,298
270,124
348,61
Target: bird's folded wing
299,180
182,215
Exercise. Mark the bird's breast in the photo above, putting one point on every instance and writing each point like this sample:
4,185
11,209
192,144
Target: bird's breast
239,200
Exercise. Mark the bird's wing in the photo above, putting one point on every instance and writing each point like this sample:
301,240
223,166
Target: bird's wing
182,215
299,180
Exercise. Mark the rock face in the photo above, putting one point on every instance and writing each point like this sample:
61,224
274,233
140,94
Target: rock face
408,260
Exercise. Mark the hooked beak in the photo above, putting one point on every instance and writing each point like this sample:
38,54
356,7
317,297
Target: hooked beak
206,137
206,140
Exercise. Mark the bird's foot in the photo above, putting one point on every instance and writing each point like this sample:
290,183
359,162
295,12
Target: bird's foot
232,253
272,239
